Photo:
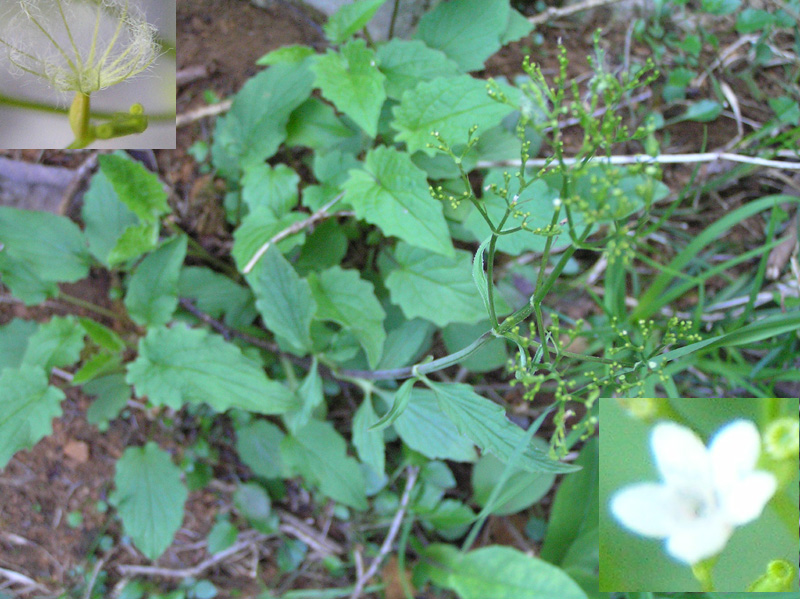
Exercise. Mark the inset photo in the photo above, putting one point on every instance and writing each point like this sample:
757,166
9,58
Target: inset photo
87,73
699,495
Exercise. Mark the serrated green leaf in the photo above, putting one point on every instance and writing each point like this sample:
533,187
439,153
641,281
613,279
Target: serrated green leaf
702,111
257,228
181,365
56,343
217,295
406,63
445,283
258,445
326,246
255,126
517,28
294,54
283,299
500,572
149,498
112,395
105,217
96,365
351,80
368,440
52,246
152,294
319,454
406,343
346,299
426,429
39,249
101,335
309,396
27,408
136,187
401,398
134,241
392,193
314,124
270,187
450,518
349,19
13,341
221,536
332,168
449,106
720,7
786,109
253,502
485,423
467,31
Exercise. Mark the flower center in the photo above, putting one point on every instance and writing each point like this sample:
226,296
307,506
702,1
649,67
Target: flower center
698,505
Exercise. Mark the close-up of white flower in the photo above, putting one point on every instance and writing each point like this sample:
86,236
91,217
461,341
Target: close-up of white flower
77,45
705,493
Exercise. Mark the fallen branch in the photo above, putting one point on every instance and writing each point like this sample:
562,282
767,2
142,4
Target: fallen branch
202,112
320,214
364,578
647,159
193,571
553,12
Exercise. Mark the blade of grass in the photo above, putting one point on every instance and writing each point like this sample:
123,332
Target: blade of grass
653,299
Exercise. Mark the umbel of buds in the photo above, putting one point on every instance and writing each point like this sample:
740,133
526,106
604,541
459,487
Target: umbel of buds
77,46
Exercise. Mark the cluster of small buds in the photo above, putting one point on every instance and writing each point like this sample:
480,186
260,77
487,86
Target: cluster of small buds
495,93
439,194
679,330
641,408
620,249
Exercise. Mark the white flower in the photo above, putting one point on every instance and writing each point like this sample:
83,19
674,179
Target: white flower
77,45
705,493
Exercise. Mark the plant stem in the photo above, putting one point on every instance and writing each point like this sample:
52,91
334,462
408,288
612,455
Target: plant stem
702,572
76,301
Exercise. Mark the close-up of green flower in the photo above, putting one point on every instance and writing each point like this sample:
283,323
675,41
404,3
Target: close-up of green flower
79,47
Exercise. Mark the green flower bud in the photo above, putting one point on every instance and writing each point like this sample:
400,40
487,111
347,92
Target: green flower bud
778,579
782,438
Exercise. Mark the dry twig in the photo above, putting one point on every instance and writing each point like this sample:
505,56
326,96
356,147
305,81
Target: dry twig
364,578
554,12
202,112
320,214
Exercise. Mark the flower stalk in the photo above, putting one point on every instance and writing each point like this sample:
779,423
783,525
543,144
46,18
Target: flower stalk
79,113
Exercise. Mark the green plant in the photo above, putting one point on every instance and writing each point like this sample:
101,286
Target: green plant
353,270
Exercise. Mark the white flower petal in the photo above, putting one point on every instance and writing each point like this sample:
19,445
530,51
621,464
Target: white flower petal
680,455
649,509
702,539
745,500
734,451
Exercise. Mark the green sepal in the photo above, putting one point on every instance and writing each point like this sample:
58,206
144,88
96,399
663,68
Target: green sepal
778,578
